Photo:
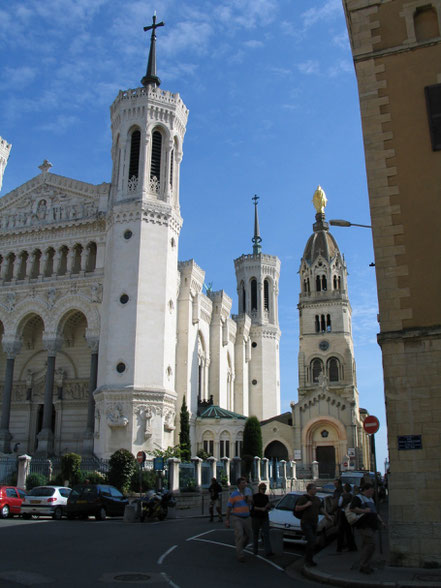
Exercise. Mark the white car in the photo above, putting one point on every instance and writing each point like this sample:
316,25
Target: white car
45,500
282,517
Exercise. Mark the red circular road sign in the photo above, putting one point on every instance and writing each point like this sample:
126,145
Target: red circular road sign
371,424
345,464
141,456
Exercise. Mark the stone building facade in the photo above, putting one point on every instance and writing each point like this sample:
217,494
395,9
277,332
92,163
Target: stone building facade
326,424
104,331
396,46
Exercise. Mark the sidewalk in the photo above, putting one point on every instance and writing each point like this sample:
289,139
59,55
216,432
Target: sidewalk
342,569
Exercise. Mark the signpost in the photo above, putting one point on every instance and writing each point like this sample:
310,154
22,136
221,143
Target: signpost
141,456
371,425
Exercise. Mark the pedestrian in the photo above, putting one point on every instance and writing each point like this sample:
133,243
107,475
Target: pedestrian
345,533
310,506
362,504
337,492
260,519
215,490
238,511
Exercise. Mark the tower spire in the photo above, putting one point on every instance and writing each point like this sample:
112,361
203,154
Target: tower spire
257,239
150,76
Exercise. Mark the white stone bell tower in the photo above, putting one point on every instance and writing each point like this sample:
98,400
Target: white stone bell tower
326,350
136,397
5,150
257,278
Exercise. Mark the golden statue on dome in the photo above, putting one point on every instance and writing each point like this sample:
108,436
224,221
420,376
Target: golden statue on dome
319,199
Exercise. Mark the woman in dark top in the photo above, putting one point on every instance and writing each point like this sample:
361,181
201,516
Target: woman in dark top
345,532
260,520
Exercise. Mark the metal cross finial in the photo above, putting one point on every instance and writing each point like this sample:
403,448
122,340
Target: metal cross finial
154,26
255,198
257,239
150,77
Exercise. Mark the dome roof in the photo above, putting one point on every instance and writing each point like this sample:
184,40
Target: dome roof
321,242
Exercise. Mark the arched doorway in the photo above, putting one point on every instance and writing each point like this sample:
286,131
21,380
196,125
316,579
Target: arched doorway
276,450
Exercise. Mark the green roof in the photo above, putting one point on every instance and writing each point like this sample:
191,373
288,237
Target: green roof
216,412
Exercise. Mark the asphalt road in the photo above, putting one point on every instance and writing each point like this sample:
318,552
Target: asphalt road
181,553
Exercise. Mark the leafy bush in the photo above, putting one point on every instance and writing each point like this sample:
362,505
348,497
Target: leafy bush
34,480
70,467
148,480
122,466
190,485
93,477
203,454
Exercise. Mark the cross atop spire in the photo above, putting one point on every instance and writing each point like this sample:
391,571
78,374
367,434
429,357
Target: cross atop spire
257,239
150,76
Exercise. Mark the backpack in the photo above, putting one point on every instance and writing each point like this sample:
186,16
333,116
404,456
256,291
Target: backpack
297,514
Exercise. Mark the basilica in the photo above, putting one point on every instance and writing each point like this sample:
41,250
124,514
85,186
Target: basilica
92,361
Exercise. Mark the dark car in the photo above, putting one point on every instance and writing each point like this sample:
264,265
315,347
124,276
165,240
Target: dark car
11,498
98,500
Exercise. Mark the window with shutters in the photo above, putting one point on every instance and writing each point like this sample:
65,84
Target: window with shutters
135,144
155,167
266,294
253,294
433,101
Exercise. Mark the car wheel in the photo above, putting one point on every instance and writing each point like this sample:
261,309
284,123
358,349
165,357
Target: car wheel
58,514
101,514
5,511
26,516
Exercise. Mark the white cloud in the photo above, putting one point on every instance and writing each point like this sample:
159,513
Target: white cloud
59,125
325,12
311,66
253,44
18,77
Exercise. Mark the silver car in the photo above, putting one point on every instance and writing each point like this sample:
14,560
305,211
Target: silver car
45,500
282,517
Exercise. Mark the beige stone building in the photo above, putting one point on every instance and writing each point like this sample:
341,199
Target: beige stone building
396,46
326,424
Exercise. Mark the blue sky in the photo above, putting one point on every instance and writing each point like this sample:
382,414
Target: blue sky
274,111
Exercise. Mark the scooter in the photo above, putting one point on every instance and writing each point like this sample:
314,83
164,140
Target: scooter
156,504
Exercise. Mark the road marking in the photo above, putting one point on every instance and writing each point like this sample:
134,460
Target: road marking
164,555
167,579
197,538
202,534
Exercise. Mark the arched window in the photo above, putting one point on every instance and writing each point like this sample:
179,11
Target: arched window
316,369
335,282
324,283
328,322
243,297
238,445
253,294
306,286
208,442
230,387
202,370
266,294
172,161
224,445
155,167
322,323
318,284
426,23
333,370
317,323
135,145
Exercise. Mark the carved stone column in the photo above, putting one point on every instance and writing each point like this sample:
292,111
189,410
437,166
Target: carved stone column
46,435
197,461
11,348
70,260
16,268
43,264
93,343
57,261
83,259
5,266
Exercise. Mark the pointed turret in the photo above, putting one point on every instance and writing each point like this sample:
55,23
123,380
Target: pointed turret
150,77
257,239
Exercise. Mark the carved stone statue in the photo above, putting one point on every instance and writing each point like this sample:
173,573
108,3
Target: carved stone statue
116,418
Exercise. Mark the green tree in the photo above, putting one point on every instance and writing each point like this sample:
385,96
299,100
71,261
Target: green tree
70,467
184,435
252,442
122,466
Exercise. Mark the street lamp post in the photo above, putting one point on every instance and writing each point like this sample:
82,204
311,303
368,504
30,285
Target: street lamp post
344,223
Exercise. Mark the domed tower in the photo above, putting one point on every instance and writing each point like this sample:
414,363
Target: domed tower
257,278
326,347
136,394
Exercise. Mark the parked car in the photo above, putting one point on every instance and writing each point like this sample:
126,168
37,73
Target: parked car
355,477
11,498
45,500
282,517
98,500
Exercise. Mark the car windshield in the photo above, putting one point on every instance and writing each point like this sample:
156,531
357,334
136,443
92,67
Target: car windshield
42,491
288,502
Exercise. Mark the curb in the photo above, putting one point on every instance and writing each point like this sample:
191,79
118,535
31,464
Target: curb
344,582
